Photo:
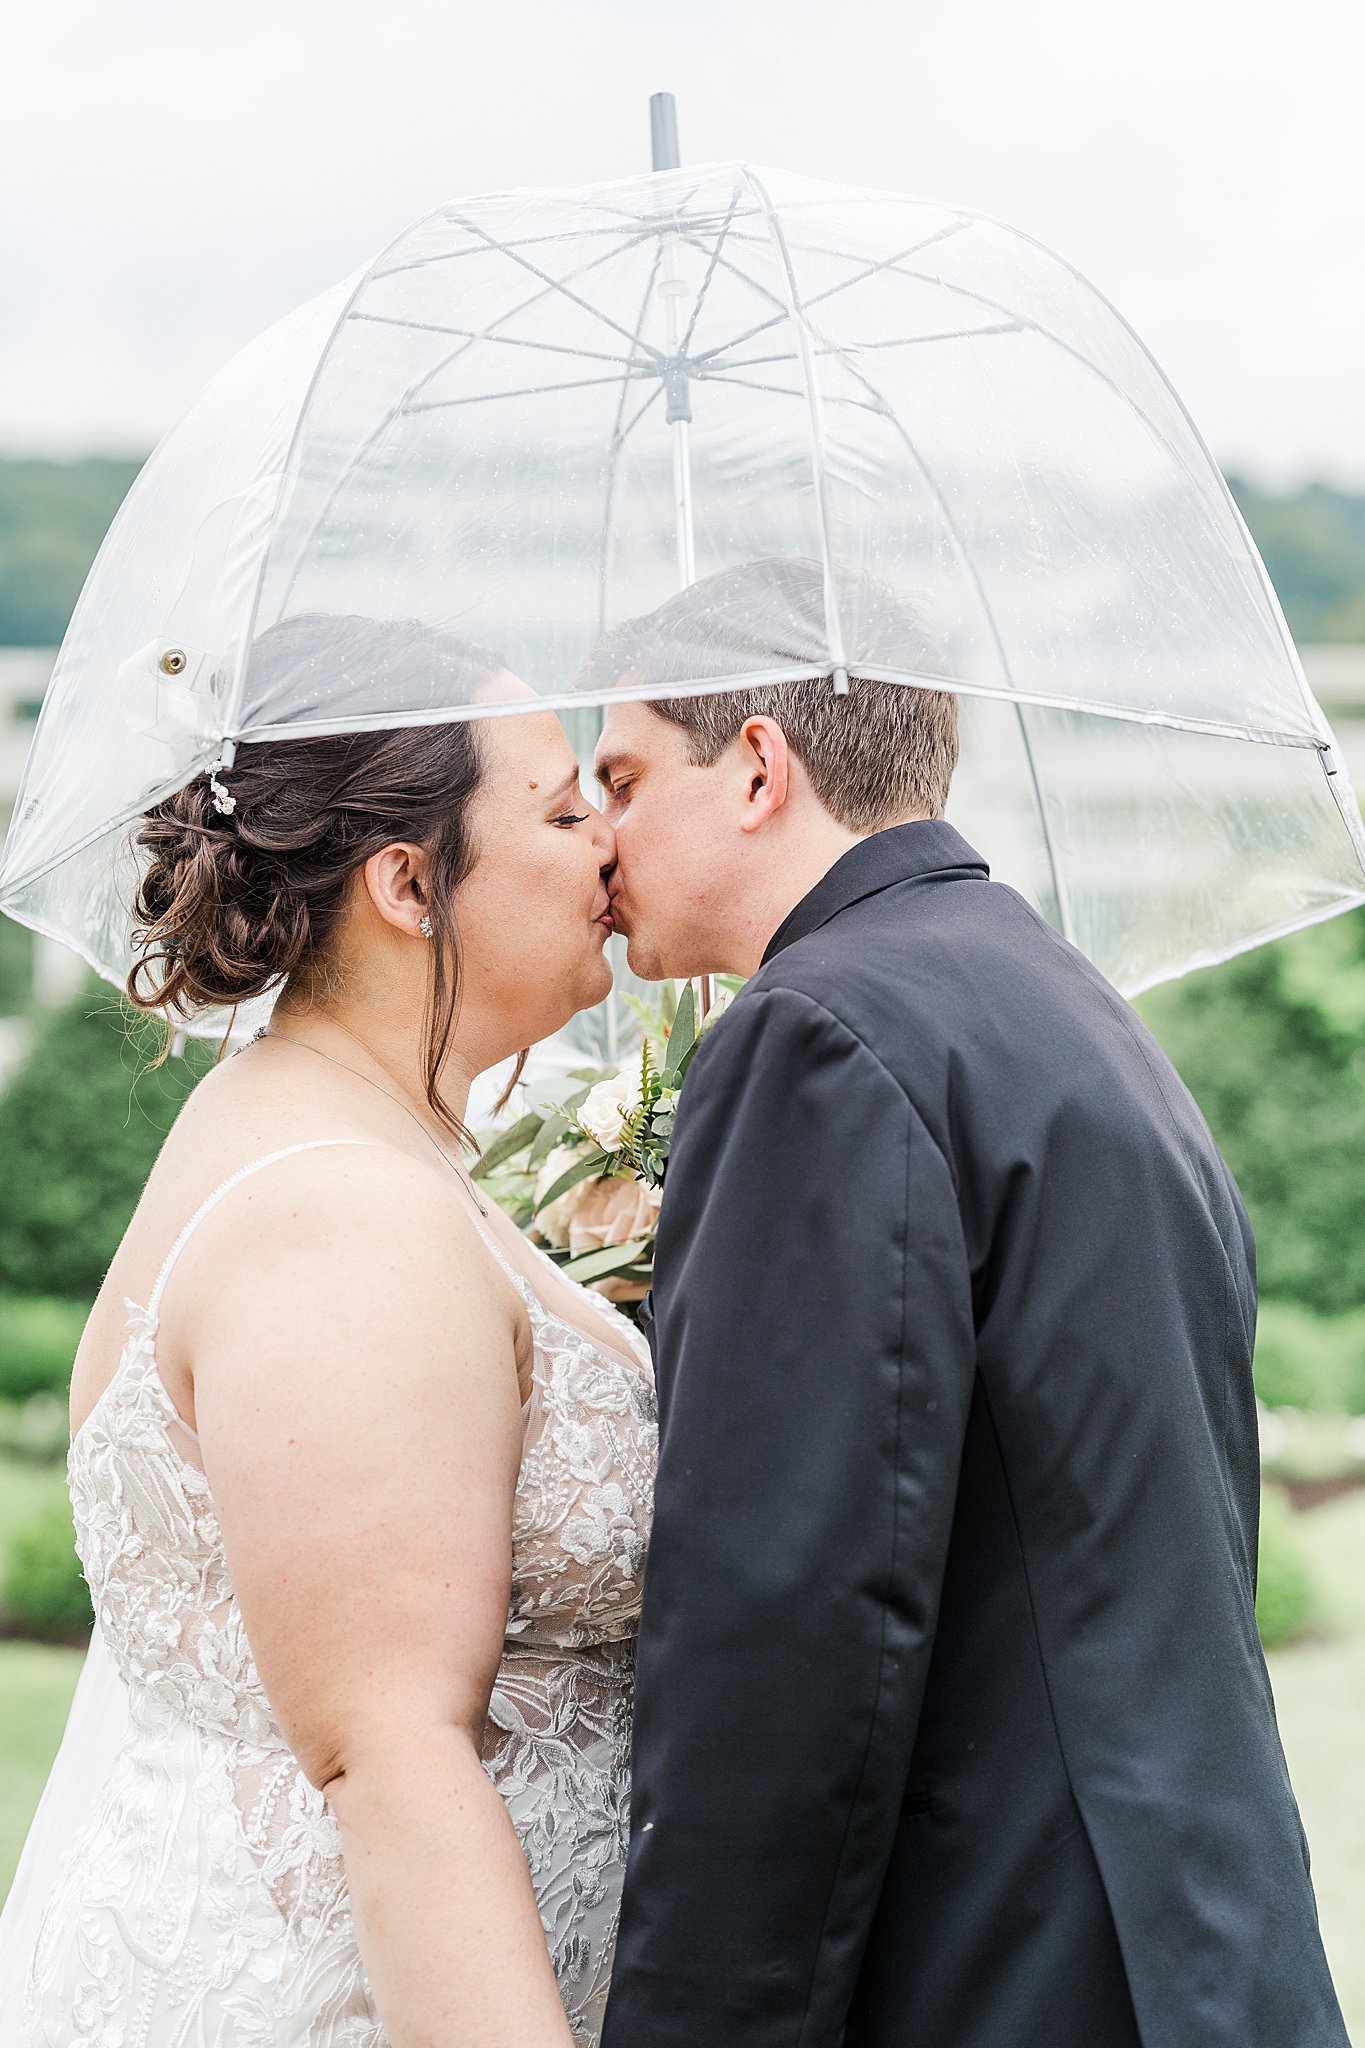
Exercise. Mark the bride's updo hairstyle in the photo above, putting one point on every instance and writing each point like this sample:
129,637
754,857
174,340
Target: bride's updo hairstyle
236,903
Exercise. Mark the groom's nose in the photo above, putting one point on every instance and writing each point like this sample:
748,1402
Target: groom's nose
606,846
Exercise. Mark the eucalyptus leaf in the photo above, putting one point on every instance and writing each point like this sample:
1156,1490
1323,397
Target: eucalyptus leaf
597,1265
508,1145
682,1037
586,1169
551,1131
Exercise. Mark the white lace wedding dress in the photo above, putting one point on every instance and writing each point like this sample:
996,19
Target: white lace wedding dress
204,1904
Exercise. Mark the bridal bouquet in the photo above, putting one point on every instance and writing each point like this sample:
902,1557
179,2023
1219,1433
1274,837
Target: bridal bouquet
584,1177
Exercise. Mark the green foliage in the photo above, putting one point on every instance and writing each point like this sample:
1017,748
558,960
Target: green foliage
16,968
80,1126
53,516
1313,545
43,1592
36,1683
1272,1046
36,1430
38,1339
1308,1361
1284,1588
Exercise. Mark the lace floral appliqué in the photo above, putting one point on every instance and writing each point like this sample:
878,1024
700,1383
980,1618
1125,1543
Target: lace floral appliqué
206,1901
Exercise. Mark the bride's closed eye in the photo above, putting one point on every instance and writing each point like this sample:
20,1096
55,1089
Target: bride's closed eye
571,818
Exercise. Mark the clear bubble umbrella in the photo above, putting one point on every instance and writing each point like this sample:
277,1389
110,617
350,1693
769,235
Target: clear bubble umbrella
535,414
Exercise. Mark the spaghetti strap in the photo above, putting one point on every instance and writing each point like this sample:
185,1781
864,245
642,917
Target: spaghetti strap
233,1180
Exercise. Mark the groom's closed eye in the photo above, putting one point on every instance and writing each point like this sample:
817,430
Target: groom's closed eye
614,776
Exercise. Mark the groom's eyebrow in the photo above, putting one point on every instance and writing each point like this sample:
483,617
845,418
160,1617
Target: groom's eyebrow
609,766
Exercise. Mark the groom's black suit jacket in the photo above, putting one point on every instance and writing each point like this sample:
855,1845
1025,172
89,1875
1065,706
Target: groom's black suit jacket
953,1729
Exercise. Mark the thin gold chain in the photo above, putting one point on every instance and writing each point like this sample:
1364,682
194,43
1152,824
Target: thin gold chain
269,1031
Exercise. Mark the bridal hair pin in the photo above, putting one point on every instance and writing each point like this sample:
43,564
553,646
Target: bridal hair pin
223,801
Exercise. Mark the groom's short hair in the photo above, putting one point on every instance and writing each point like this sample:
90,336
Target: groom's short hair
883,751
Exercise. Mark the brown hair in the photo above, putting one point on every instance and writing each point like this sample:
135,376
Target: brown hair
233,905
873,755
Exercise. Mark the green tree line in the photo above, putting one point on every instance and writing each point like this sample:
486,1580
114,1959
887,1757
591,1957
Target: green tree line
53,516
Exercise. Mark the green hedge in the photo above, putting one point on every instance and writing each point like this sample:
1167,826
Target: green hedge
43,1592
38,1339
36,1430
1272,1046
1309,1361
1284,1590
80,1126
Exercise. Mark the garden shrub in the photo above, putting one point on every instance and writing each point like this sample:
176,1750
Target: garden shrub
1272,1046
1284,1589
43,1593
80,1125
38,1339
1309,1361
36,1430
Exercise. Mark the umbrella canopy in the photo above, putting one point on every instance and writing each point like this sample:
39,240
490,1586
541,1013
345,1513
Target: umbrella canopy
537,414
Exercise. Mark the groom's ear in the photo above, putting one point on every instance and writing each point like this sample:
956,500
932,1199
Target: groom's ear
765,760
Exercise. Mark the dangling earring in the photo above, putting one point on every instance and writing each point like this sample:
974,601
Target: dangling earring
425,927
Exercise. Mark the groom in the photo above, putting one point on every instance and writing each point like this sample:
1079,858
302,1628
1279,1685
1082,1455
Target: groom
953,1729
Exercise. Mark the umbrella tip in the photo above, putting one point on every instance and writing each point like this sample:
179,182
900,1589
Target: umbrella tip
663,131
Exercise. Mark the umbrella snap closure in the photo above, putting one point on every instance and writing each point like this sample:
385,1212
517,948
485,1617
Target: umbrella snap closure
174,661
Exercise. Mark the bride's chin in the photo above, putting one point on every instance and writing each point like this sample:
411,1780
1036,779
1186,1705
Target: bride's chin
594,988
596,984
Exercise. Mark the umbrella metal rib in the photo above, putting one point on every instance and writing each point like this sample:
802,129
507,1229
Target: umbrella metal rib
586,305
619,436
620,235
558,348
1021,323
523,391
834,631
1064,912
704,287
395,412
846,284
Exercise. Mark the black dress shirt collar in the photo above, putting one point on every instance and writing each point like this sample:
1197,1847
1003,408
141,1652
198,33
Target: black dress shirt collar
903,853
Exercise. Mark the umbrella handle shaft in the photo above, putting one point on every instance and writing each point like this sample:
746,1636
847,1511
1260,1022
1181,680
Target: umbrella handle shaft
682,504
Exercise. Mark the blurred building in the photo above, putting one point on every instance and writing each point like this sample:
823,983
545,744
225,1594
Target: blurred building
1335,673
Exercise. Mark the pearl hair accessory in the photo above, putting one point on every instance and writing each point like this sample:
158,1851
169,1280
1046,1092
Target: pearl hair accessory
222,800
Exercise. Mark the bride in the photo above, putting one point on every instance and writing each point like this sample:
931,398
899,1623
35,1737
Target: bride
361,1483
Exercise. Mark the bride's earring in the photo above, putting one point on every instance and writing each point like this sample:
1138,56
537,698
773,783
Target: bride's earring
425,927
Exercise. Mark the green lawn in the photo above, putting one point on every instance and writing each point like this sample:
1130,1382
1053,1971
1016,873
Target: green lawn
1320,1693
35,1690
1320,1688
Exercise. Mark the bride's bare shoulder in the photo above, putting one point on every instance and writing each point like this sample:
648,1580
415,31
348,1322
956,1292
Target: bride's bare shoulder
320,1175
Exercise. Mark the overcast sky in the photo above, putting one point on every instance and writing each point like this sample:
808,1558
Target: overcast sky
174,175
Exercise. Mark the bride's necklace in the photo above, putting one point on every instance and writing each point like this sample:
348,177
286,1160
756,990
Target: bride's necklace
268,1031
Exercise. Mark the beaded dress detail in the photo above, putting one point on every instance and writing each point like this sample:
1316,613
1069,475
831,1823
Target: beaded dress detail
204,1904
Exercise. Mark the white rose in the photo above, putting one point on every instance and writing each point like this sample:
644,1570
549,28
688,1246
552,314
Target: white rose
553,1223
609,1106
